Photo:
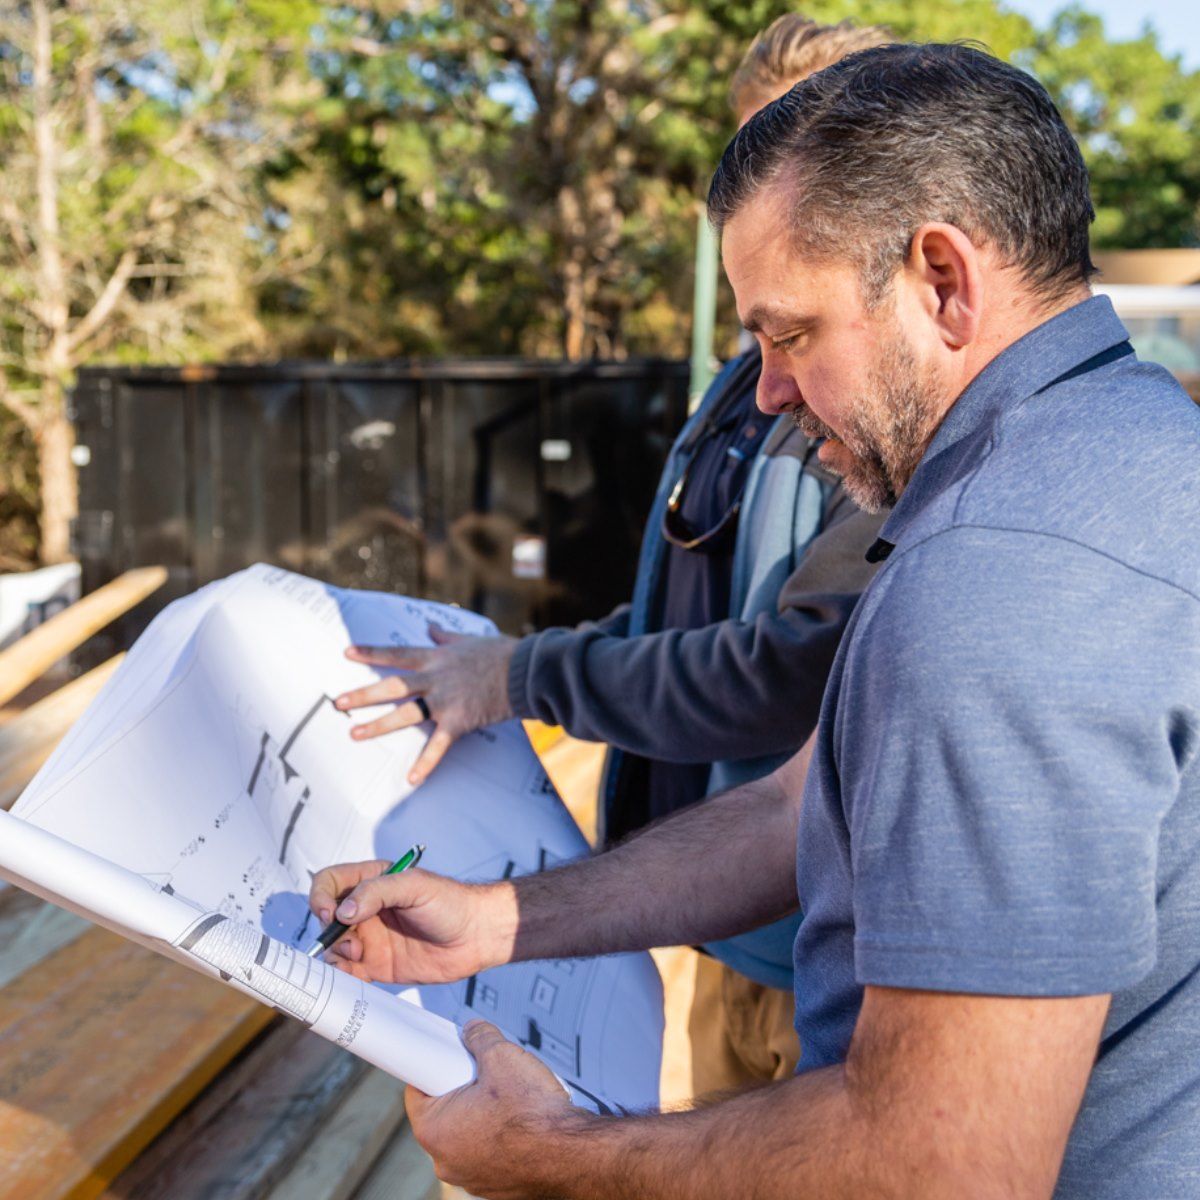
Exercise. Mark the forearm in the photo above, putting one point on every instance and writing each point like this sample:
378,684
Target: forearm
713,692
783,1140
681,882
840,1133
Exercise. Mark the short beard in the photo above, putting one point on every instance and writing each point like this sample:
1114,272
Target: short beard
886,430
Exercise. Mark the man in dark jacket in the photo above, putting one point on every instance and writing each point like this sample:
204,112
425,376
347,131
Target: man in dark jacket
713,674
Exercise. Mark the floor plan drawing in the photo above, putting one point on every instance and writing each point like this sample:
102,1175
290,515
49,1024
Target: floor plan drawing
216,775
558,1009
276,784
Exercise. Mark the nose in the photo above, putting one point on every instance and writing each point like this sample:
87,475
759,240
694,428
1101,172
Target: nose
777,390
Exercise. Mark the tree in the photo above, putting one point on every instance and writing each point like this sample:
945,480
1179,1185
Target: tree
213,179
1136,113
132,134
511,163
528,175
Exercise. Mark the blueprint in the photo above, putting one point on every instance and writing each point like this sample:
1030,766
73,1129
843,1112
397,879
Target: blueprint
213,776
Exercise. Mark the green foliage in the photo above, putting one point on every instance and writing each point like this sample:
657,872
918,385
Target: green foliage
1137,116
359,180
463,137
18,496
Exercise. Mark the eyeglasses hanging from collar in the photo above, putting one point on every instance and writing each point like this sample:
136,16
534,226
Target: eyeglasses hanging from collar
727,410
678,531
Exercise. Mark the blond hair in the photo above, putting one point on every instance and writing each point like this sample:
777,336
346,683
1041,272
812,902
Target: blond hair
790,49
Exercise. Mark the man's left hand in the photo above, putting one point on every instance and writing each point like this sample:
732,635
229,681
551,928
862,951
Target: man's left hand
490,1136
461,682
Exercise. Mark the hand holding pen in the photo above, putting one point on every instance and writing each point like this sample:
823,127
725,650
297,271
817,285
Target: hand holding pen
336,929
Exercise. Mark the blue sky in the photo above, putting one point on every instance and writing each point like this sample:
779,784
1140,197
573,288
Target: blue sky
1177,21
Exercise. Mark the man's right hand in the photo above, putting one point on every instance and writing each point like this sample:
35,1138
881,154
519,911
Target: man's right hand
414,927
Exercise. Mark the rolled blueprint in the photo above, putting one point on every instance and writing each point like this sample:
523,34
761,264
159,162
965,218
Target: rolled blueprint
390,1032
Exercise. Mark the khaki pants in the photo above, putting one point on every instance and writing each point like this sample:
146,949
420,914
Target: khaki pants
723,1030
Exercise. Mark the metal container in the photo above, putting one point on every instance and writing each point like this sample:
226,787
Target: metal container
517,488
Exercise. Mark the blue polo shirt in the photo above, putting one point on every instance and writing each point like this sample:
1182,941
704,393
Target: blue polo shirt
1005,795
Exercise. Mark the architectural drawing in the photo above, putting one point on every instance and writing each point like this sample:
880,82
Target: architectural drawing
215,773
283,977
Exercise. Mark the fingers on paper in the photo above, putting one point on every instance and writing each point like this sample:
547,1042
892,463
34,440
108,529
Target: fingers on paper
399,718
433,752
404,657
383,691
486,1043
444,637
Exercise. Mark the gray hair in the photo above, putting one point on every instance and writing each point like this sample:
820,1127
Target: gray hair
873,147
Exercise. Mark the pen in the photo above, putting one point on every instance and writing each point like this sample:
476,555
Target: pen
335,929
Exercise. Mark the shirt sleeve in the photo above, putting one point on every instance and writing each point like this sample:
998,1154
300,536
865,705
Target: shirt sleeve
616,624
733,690
1007,740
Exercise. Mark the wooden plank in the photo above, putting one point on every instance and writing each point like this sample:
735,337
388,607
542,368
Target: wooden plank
31,930
102,1044
41,687
402,1172
677,966
542,736
27,740
245,1132
575,769
40,649
348,1143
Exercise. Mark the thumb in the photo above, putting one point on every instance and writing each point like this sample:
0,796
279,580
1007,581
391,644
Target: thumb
443,637
372,895
483,1041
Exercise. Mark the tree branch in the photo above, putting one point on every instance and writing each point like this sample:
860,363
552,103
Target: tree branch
52,283
105,302
18,230
25,412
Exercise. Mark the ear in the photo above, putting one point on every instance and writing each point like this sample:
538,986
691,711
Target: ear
944,269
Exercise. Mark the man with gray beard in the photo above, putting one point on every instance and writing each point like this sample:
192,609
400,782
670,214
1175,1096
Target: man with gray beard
885,430
997,846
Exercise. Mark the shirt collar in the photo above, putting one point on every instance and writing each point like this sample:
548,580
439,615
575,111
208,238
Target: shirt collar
1044,355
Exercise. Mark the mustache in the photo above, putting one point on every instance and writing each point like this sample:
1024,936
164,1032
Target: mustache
807,422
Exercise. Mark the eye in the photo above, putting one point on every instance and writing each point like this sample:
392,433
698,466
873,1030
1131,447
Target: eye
789,342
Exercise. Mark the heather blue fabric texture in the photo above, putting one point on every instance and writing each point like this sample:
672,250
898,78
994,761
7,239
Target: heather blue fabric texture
1005,796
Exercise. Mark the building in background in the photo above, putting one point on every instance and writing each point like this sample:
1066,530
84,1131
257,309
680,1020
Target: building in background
1157,294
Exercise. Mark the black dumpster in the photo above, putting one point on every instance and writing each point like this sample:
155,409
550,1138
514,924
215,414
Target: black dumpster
517,488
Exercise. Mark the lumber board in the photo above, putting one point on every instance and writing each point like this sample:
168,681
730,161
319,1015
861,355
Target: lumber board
31,930
102,1044
575,769
403,1172
244,1134
348,1142
542,736
27,740
677,965
26,659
